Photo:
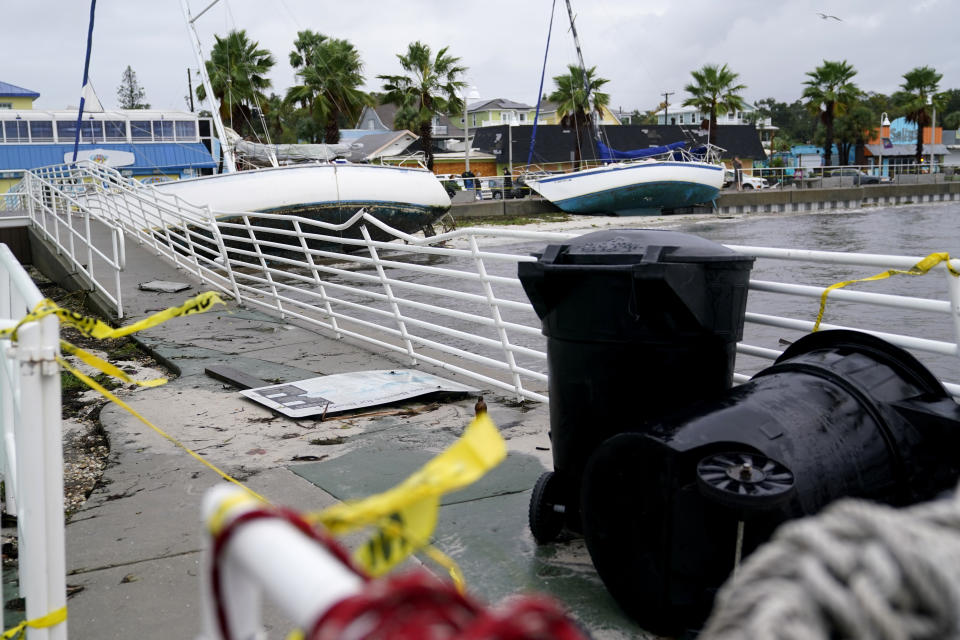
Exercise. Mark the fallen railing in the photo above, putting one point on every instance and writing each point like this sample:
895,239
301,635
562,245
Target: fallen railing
31,463
450,300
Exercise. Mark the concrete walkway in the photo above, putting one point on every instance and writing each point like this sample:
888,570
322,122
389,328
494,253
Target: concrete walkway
135,546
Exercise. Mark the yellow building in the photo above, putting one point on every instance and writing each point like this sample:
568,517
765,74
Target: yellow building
14,97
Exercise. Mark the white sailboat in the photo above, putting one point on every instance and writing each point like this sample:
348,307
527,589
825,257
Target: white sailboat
643,181
406,198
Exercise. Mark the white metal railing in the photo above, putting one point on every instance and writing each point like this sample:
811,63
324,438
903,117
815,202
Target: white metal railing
265,557
851,175
31,463
59,201
450,300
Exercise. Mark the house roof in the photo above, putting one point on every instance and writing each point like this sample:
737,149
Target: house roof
155,156
555,144
8,90
387,114
497,103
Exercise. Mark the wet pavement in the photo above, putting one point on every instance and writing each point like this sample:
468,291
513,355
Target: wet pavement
135,545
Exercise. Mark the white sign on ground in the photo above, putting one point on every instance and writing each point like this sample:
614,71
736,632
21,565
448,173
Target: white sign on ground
348,391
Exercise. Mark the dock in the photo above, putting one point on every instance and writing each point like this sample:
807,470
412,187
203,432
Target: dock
134,548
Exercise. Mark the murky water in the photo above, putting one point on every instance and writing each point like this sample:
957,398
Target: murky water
912,231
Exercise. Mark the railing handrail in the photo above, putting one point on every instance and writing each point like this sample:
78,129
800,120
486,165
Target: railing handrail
31,450
212,245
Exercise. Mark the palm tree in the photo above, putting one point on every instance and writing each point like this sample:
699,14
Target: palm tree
303,47
713,91
301,57
829,92
331,72
429,88
576,96
238,71
919,91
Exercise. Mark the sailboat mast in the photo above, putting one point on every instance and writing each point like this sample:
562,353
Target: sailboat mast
583,68
229,160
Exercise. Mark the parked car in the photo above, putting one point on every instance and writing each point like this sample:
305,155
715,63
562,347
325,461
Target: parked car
859,177
746,181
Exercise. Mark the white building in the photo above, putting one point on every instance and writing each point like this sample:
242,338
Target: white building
692,116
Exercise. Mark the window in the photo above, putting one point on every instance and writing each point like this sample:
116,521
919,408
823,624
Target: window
140,130
186,130
115,130
163,130
16,130
92,130
523,117
6,105
66,130
41,130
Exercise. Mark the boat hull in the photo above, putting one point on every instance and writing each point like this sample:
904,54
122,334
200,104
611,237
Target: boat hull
406,199
636,188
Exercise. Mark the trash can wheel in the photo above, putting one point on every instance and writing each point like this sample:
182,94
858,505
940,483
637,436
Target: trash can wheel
546,513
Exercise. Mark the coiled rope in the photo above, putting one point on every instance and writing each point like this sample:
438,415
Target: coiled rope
857,570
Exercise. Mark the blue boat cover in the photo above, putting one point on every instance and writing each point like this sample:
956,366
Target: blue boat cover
609,155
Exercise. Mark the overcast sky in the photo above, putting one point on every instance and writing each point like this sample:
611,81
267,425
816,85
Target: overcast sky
644,47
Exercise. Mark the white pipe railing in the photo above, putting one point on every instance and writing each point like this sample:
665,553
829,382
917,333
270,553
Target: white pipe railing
265,557
62,202
31,449
444,300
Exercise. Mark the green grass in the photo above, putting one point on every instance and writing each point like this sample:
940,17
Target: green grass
69,383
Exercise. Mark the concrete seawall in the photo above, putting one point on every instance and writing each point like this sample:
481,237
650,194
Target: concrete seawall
766,201
791,200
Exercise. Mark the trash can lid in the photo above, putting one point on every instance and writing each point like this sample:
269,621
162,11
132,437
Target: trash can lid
633,246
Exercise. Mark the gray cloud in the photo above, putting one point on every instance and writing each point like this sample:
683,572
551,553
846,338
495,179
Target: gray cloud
643,47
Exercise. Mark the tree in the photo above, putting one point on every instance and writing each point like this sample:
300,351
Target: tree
713,91
238,71
853,129
282,122
829,93
429,88
574,103
919,87
130,94
331,73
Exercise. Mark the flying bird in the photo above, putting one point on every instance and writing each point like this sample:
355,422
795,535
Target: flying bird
480,407
825,17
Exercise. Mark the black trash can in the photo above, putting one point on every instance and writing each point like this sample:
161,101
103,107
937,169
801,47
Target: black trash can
639,324
840,413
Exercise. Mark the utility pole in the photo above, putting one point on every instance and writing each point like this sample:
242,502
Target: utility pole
190,89
666,105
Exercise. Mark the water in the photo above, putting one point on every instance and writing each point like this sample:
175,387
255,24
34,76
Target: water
911,231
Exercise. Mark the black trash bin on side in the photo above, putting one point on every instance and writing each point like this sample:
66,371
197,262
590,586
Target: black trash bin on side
639,324
840,414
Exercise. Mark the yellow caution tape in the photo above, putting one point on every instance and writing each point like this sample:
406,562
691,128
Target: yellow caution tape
218,517
102,331
109,396
406,515
106,367
51,619
919,269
